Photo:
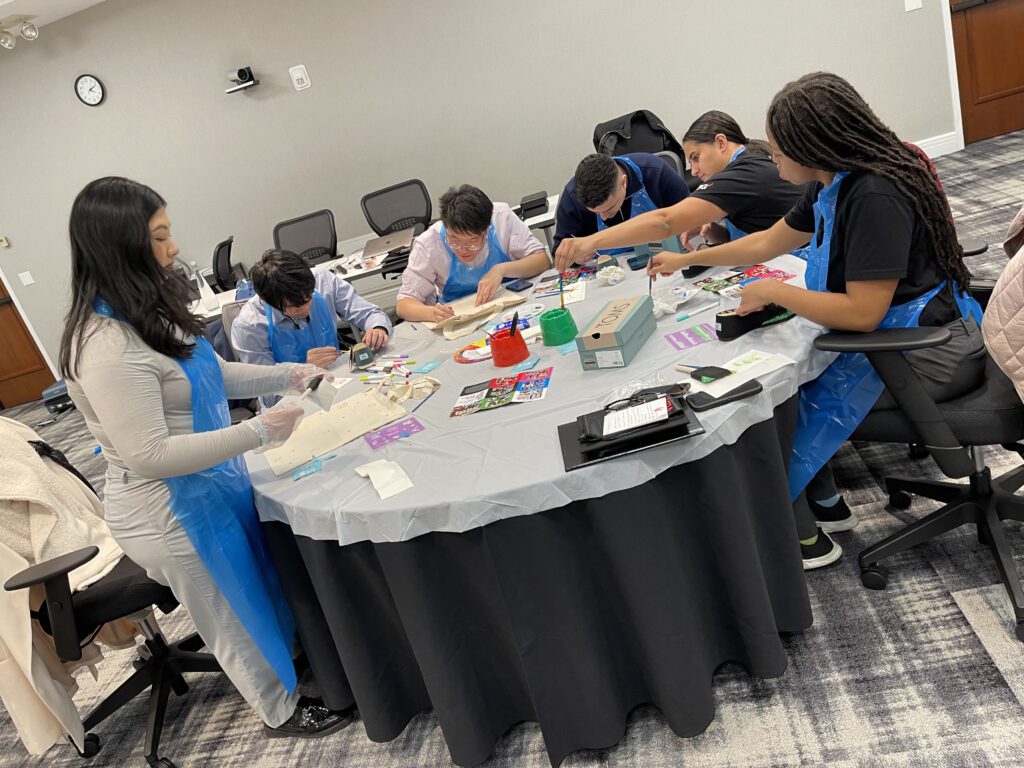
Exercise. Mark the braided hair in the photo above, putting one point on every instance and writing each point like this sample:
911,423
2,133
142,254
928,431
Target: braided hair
821,122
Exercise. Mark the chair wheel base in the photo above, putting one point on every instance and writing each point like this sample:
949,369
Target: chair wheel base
900,500
160,762
917,451
91,748
874,576
1020,631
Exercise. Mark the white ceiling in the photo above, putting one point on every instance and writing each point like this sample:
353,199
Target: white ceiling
45,11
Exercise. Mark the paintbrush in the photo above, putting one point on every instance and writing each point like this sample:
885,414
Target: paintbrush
561,291
515,322
312,387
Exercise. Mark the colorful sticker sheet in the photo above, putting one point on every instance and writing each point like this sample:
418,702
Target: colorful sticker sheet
726,283
549,285
487,395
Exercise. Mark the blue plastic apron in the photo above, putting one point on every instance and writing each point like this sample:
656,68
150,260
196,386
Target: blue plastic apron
290,344
462,277
215,508
735,233
640,202
834,404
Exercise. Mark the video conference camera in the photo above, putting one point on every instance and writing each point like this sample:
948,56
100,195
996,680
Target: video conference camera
242,78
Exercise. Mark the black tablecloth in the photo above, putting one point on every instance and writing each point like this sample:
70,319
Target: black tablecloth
570,617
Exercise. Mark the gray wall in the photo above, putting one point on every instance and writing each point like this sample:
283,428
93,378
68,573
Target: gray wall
500,94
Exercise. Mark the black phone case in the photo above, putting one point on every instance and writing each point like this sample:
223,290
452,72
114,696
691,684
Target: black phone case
702,401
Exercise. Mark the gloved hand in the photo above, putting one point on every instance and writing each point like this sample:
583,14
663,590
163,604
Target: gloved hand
302,374
275,425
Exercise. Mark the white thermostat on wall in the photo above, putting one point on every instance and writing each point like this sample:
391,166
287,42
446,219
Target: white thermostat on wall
300,78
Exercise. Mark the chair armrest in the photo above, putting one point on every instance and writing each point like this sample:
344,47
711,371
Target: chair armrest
51,569
885,340
53,575
973,247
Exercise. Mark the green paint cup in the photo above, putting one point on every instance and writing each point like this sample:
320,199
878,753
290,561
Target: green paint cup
557,327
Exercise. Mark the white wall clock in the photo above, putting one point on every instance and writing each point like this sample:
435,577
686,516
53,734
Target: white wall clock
89,90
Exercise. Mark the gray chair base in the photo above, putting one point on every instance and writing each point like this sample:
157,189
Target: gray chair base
983,502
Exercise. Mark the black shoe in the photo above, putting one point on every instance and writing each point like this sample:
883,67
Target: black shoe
310,720
822,552
696,269
836,518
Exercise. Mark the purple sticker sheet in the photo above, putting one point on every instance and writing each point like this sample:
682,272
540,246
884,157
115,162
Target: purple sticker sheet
392,432
692,337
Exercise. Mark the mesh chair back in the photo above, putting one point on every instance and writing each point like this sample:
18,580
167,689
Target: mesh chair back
228,314
312,235
398,207
672,159
222,265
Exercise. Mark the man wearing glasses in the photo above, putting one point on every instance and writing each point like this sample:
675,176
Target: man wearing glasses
610,190
476,245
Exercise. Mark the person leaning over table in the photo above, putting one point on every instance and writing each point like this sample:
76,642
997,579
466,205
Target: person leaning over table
606,191
741,186
293,316
883,253
474,247
177,497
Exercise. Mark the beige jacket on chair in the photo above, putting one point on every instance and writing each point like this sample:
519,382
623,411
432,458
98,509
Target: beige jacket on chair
45,511
1003,326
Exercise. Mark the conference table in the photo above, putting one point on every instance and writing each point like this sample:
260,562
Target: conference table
502,589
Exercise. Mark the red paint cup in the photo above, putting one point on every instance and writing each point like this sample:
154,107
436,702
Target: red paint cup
508,350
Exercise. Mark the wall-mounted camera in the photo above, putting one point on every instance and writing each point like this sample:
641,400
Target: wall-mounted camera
242,78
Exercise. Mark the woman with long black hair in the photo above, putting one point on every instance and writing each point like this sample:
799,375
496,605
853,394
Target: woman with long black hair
177,496
741,188
883,253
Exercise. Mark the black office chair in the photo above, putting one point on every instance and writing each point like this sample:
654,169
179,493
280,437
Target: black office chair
398,207
71,618
953,433
225,274
642,131
311,236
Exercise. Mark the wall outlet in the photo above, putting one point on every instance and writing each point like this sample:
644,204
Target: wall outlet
300,78
912,5
26,278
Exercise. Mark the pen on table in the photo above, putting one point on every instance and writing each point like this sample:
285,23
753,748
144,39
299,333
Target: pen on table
311,388
688,315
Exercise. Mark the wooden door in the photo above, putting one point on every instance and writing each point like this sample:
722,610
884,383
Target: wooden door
988,37
23,372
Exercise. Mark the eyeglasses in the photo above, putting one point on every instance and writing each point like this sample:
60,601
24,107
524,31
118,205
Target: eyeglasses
464,247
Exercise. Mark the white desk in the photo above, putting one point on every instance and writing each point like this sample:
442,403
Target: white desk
545,221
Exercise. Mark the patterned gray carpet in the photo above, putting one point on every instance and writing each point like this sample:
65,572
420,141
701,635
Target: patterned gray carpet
926,673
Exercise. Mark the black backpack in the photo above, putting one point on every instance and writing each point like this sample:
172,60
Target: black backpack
640,131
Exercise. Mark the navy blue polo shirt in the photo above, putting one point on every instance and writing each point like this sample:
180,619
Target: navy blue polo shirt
664,185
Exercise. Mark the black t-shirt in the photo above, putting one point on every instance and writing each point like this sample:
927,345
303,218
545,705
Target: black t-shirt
878,236
750,192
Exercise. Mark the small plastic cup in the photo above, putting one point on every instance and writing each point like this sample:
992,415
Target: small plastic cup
508,350
557,327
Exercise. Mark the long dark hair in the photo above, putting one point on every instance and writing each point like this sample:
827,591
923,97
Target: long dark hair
112,257
710,124
822,122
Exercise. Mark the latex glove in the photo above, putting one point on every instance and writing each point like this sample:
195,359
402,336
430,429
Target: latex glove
303,374
375,338
442,312
322,356
275,425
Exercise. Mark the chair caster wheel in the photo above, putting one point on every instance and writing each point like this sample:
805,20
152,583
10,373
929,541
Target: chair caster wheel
160,762
874,576
91,747
1020,630
917,451
900,500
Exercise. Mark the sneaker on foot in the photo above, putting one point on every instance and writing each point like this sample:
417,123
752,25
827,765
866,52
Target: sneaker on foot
836,518
310,720
822,552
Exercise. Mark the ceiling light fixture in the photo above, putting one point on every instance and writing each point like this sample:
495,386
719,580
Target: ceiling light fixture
7,41
29,31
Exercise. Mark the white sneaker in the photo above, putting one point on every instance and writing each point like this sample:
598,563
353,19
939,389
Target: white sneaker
822,552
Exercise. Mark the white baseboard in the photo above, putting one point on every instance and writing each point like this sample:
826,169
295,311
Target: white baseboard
937,146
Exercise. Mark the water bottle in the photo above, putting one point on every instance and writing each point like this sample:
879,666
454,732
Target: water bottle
206,295
243,290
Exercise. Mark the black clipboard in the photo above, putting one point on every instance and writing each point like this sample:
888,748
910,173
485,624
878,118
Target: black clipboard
576,454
